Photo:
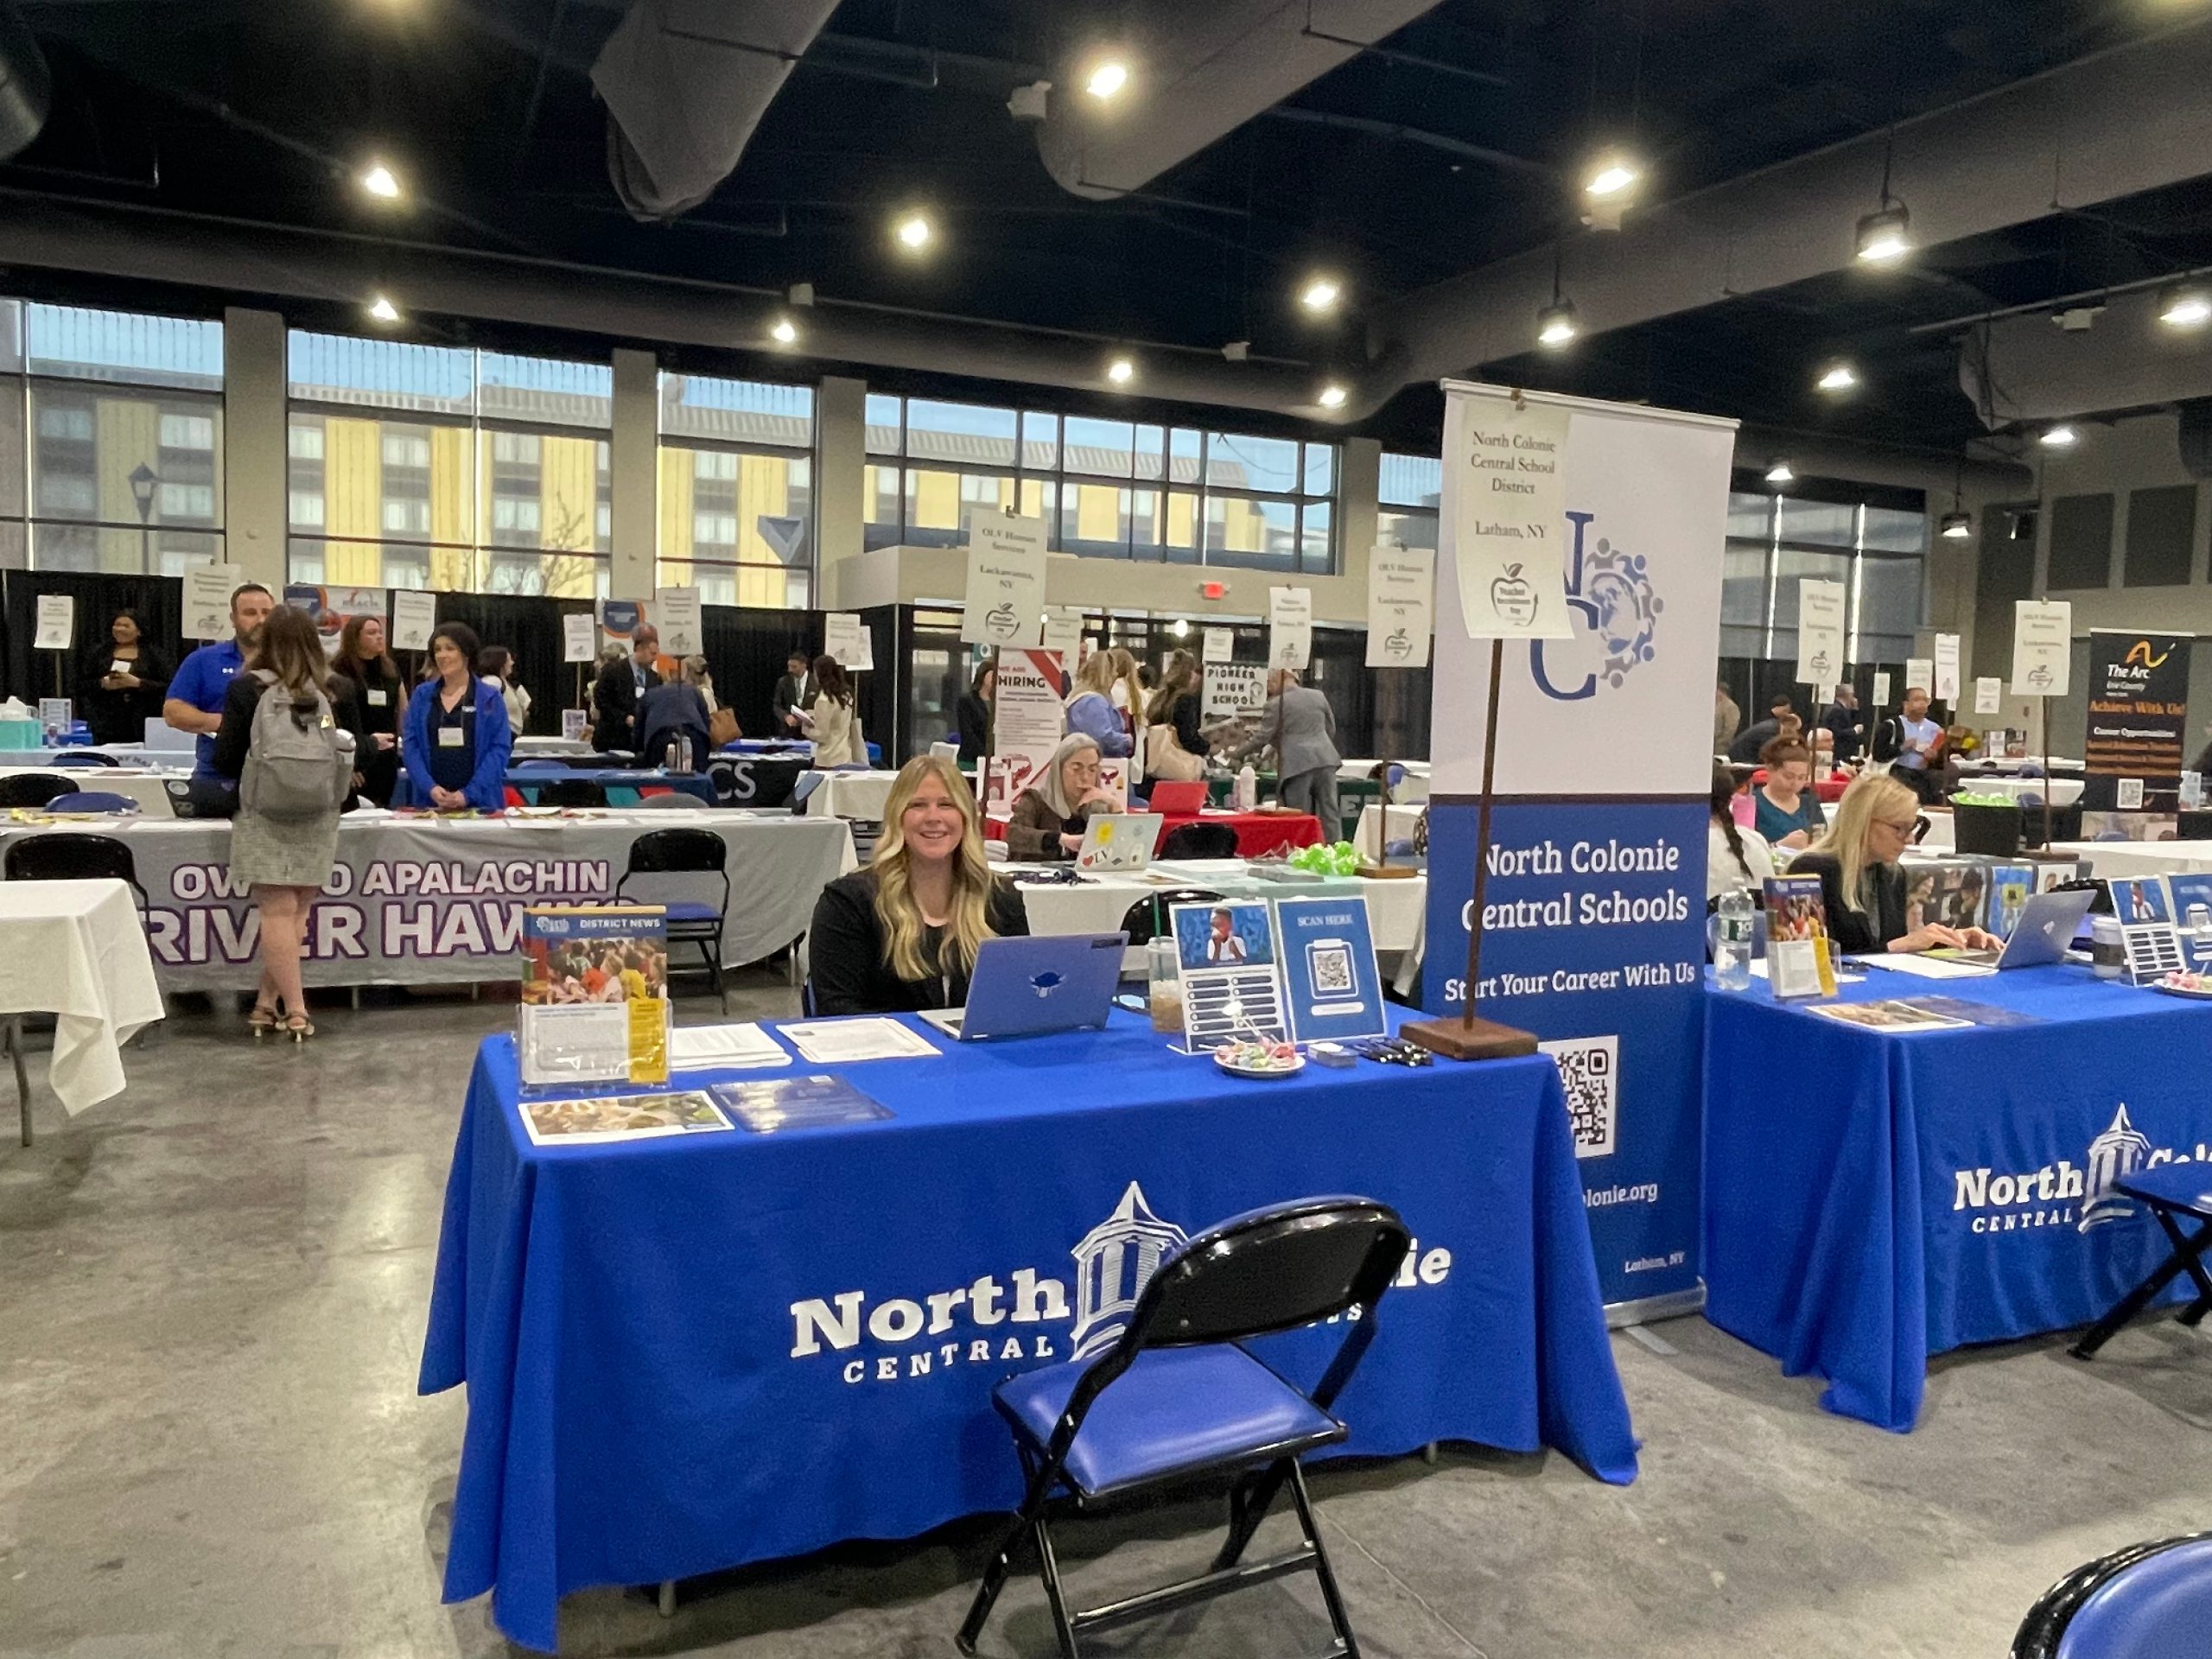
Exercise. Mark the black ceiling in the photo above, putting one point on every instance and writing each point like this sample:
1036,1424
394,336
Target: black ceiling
244,108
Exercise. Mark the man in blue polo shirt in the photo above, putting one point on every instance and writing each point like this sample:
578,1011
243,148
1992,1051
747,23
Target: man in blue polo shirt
196,691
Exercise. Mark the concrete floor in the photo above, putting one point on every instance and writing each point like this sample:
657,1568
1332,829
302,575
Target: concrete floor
212,1299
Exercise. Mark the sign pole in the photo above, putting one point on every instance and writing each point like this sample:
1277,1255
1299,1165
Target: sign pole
1468,1038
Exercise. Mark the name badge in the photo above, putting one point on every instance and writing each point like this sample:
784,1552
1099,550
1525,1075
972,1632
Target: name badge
379,698
451,737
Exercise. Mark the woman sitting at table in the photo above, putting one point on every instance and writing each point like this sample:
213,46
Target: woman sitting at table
123,682
1861,886
1788,814
458,739
833,723
901,935
1049,818
1734,856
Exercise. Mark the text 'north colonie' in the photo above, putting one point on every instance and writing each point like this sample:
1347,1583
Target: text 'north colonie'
1522,454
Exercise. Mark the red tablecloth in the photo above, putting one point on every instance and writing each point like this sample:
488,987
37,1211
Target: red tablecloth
1257,832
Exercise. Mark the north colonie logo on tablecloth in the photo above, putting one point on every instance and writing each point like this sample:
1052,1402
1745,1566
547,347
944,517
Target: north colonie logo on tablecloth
2059,1194
973,1324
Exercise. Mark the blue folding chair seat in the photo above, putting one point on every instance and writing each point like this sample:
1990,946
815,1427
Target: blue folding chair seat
1139,1430
691,910
2169,1192
2148,1601
1175,1394
93,800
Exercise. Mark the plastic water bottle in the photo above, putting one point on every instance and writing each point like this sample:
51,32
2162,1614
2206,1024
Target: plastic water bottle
1731,949
1248,789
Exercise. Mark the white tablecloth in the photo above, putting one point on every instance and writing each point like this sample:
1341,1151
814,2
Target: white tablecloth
1370,837
1414,786
2063,792
75,949
148,789
858,795
1394,906
2108,859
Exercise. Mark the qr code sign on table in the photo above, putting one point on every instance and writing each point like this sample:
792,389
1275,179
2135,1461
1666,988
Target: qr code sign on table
1590,1070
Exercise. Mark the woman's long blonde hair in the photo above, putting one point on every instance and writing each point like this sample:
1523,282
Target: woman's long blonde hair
1877,795
969,923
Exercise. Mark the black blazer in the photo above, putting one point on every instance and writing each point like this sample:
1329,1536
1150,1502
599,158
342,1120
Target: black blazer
615,705
973,716
845,952
1858,931
120,716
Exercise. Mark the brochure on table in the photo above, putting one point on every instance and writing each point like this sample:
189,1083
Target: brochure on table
1331,983
578,1122
1232,985
594,994
2192,914
1797,961
769,1104
2146,928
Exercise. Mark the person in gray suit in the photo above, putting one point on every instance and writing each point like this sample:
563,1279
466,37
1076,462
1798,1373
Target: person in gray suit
1302,729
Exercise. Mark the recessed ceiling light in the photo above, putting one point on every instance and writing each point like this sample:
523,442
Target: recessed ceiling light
1837,377
2186,306
1882,236
383,309
1610,176
1555,323
1957,526
1332,396
1320,294
2056,438
1780,474
1108,79
915,232
1120,370
380,181
784,332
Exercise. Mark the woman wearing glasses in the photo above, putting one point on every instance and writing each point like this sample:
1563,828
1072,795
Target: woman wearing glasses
1861,883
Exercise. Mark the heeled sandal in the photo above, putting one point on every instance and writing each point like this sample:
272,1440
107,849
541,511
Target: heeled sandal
298,1027
261,1019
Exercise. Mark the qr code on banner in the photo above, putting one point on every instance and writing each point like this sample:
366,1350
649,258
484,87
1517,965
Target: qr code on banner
1590,1070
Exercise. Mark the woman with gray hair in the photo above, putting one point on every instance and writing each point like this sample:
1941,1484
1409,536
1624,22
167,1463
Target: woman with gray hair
1049,816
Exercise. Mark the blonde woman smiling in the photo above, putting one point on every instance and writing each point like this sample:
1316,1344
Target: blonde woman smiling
901,935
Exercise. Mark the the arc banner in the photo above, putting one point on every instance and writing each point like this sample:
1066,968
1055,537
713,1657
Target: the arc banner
2138,731
1594,909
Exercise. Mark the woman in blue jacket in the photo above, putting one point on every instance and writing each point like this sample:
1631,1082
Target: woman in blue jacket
1090,709
458,739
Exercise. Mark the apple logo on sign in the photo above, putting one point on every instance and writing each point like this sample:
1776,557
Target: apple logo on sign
1513,598
1001,619
1397,645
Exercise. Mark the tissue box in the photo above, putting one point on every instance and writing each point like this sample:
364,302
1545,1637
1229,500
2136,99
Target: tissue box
21,735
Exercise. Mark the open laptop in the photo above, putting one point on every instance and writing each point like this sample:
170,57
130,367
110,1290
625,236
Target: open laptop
1029,987
2046,928
1172,795
1118,841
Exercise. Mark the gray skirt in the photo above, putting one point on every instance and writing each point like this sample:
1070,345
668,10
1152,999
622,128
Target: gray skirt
289,854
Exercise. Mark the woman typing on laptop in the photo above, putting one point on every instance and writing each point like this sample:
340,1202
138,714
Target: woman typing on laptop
1048,817
1861,886
901,935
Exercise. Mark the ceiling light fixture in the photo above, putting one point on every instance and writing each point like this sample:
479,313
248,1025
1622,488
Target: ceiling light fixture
1780,474
1332,396
1120,370
1107,79
1555,323
2186,306
1837,377
915,232
786,331
382,310
1957,525
1883,234
1320,294
2057,437
1610,176
380,181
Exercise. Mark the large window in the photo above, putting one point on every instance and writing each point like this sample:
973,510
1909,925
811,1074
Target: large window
435,466
1409,492
737,490
110,439
1877,550
1106,488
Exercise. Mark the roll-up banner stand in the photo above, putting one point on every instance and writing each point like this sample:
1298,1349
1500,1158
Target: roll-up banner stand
1594,915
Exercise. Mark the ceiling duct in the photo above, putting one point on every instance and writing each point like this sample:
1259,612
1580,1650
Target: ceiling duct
1198,72
685,84
2128,119
26,88
2026,368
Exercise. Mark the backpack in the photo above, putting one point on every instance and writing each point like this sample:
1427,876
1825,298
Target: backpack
298,764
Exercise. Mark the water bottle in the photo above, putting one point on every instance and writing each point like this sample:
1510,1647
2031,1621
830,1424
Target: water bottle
1248,789
1731,949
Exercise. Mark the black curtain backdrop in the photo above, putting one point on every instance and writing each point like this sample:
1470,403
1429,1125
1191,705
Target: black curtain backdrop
159,601
530,627
746,649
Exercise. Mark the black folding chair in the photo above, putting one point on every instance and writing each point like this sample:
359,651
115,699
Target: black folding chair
1199,840
1148,918
1178,1395
571,792
83,758
2148,1601
2168,1192
685,851
34,788
73,855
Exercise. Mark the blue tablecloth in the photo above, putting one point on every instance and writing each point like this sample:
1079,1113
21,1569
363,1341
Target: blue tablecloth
1872,1200
684,1355
622,784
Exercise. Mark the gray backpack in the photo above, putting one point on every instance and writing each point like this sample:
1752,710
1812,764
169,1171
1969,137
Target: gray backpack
298,765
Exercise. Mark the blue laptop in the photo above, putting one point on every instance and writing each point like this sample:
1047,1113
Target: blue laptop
1028,987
